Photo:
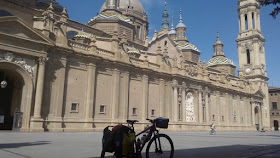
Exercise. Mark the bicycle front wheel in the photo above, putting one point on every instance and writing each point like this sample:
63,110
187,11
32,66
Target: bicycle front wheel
160,146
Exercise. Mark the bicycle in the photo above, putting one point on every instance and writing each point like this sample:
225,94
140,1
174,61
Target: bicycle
212,132
159,145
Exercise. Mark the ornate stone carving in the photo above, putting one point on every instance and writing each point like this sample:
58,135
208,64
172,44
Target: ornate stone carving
192,70
42,60
26,63
190,108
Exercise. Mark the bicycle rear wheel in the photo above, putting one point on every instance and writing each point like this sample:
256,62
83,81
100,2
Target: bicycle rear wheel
160,146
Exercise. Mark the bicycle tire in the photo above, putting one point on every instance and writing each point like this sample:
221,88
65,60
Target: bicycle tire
165,141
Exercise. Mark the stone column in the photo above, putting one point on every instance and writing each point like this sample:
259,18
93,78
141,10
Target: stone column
115,95
91,72
37,122
207,119
39,88
200,108
175,101
184,102
124,96
253,113
218,98
145,93
243,25
249,19
238,111
161,97
227,117
259,22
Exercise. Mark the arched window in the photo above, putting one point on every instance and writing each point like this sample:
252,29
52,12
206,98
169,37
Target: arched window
165,43
190,117
248,56
253,21
246,22
181,35
5,13
116,4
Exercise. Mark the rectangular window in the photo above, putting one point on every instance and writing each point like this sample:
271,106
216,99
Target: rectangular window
74,108
213,118
138,35
102,109
223,118
274,105
134,111
242,120
271,94
153,112
273,113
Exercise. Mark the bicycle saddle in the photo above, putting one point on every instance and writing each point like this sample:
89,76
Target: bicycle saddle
131,121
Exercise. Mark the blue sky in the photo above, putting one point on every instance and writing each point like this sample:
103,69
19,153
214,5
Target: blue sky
203,18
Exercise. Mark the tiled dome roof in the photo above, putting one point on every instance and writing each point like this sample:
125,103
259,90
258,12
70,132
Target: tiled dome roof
220,60
186,45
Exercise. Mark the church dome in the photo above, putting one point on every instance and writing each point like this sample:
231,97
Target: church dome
220,60
128,4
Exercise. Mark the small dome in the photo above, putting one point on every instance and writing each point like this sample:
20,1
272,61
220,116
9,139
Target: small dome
220,60
44,4
180,25
129,4
172,32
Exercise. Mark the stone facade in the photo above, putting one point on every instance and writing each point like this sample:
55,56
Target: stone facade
76,77
274,102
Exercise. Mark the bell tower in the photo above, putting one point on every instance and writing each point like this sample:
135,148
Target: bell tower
251,52
250,40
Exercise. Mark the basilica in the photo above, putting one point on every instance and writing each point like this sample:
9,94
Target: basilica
58,74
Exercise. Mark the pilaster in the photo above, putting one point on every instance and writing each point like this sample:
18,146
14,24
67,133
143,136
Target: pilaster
161,96
91,74
175,100
145,94
124,95
36,120
115,95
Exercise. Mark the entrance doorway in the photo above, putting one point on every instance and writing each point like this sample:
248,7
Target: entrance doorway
10,98
276,125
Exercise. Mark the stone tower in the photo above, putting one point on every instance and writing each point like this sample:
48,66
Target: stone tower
251,53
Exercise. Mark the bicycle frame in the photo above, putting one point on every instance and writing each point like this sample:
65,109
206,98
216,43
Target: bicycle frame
152,132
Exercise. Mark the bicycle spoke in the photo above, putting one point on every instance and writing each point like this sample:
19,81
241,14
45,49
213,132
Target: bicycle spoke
163,150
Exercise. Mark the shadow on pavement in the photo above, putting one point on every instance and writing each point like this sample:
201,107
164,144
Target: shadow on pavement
18,145
5,147
234,151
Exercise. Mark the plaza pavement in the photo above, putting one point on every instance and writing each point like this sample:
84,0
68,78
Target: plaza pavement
187,145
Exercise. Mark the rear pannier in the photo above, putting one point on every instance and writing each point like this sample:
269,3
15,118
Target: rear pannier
162,122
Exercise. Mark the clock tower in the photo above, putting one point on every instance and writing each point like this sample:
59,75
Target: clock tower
251,52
